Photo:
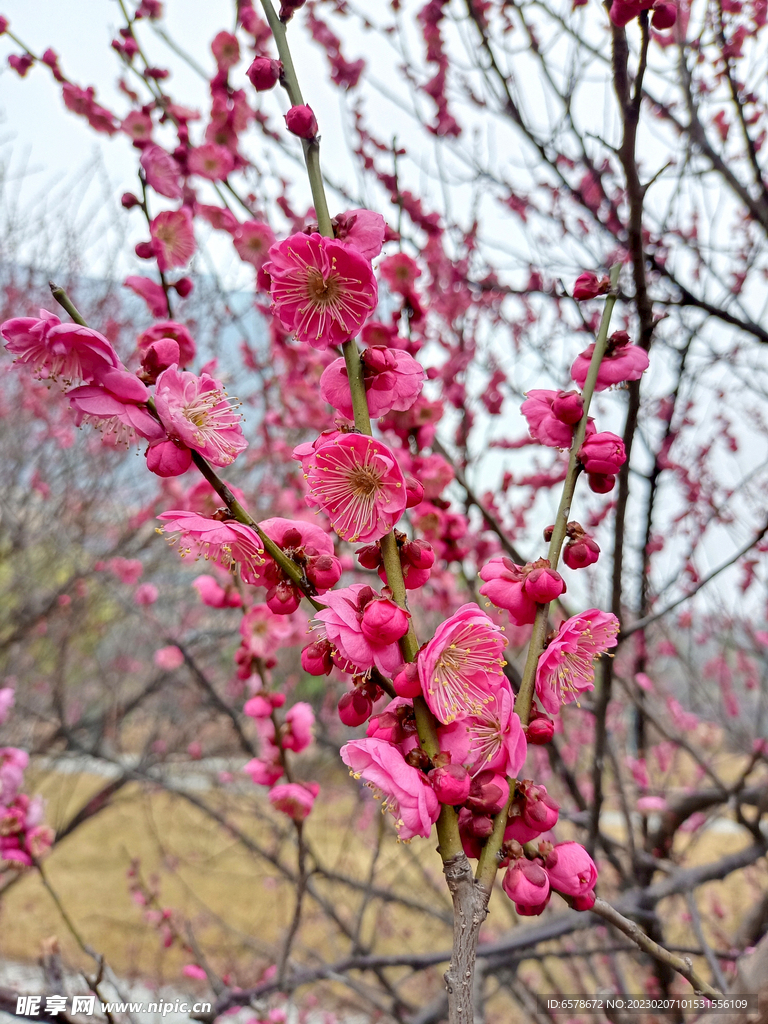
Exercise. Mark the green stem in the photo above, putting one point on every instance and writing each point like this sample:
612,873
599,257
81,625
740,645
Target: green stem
426,723
288,566
290,83
488,863
540,625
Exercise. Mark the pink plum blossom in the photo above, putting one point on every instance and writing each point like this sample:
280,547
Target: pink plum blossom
263,632
168,658
408,796
451,783
145,593
571,870
460,666
301,121
262,771
527,885
322,290
393,380
622,361
364,230
311,549
603,454
519,588
13,763
53,349
229,544
173,239
358,483
497,740
294,799
169,329
543,423
117,406
211,161
161,172
566,668
196,411
168,458
297,732
6,703
343,619
253,240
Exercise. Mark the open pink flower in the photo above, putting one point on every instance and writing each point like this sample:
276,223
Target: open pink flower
253,241
544,424
393,381
13,763
197,411
408,796
322,290
622,361
229,544
566,668
400,273
358,484
53,349
343,618
117,406
263,632
364,230
161,172
497,740
519,588
173,239
460,666
211,161
295,799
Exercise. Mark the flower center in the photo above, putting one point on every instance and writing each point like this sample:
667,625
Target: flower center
323,291
364,481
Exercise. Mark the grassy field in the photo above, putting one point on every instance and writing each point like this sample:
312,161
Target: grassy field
238,905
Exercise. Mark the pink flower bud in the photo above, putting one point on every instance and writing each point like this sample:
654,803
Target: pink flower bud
540,731
406,683
479,826
264,73
568,406
20,63
581,552
451,783
289,7
284,598
585,902
664,15
543,585
258,707
184,286
603,453
355,708
144,250
586,286
158,357
3,25
488,793
526,883
414,491
370,556
601,483
384,622
316,659
419,553
571,870
540,811
324,571
128,201
301,121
